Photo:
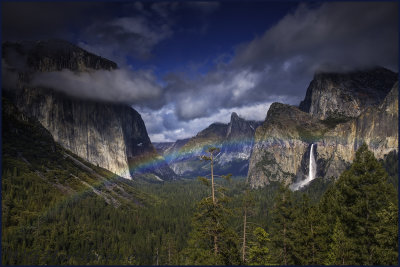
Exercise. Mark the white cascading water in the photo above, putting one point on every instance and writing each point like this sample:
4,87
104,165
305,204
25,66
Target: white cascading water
312,171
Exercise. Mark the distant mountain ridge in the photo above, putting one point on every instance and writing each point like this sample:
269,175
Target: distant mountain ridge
235,140
112,136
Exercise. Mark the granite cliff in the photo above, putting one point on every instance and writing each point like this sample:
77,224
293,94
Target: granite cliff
336,95
338,119
109,135
377,126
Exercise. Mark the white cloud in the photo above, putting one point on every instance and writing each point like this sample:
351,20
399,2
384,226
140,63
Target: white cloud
155,121
112,86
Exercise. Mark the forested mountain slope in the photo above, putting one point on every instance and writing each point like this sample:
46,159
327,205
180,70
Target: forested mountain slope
60,209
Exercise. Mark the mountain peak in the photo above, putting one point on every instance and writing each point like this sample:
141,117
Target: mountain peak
234,115
235,118
347,94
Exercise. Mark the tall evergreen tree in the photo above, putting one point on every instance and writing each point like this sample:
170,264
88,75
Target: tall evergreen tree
212,241
339,247
281,229
259,253
248,210
363,194
306,233
327,214
386,248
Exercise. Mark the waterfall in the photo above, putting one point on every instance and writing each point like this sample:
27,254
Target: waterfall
312,172
312,169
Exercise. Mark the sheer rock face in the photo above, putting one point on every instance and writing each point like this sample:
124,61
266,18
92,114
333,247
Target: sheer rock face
346,94
170,150
53,55
377,126
235,140
282,144
112,136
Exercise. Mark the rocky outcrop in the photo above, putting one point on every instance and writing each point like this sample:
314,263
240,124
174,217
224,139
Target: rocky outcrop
282,144
170,150
235,140
376,126
112,136
52,55
339,95
236,148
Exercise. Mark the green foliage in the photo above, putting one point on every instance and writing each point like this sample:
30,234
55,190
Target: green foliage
391,165
340,247
309,135
212,241
362,193
334,119
204,181
315,189
281,230
259,253
386,247
227,177
211,221
303,225
353,208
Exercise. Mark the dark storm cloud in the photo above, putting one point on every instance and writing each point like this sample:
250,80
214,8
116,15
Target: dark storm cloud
343,35
112,30
43,20
202,6
279,64
135,36
136,33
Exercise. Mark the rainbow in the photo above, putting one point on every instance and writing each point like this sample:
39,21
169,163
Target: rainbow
151,162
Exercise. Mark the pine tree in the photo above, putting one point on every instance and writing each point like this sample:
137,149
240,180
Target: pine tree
362,194
212,241
327,216
168,250
305,232
248,210
281,229
339,248
385,251
259,253
209,221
